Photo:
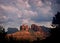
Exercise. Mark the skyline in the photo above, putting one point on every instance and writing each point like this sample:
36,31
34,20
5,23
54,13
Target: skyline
13,13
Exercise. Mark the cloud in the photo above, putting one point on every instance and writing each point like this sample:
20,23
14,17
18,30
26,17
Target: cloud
13,12
16,12
43,9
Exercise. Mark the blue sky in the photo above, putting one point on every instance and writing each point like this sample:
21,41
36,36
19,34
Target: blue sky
13,13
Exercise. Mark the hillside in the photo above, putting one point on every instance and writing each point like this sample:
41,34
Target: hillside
27,33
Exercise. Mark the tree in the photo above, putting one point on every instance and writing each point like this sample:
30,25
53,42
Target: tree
56,20
2,32
1,29
55,33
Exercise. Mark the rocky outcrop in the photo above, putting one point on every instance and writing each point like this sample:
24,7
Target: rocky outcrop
25,34
36,28
24,27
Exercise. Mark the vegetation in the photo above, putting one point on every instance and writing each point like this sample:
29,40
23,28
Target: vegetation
2,34
56,24
55,32
56,20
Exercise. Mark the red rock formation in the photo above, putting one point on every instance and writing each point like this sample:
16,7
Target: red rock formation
22,35
25,34
24,27
36,28
39,31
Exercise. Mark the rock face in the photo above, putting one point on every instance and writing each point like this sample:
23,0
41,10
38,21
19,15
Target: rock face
24,27
25,34
45,29
36,28
22,35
